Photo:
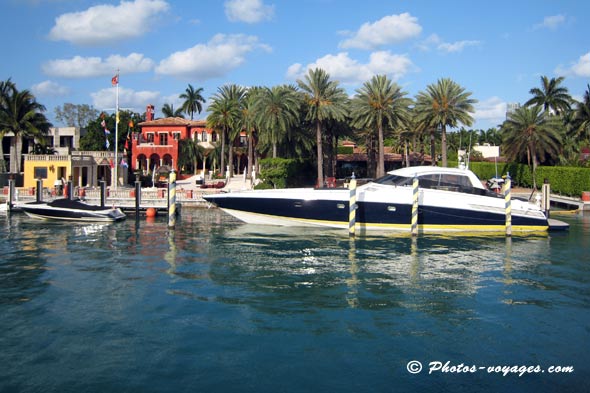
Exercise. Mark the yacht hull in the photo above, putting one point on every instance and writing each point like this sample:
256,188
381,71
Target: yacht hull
438,211
66,210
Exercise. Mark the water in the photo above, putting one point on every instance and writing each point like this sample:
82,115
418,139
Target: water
220,306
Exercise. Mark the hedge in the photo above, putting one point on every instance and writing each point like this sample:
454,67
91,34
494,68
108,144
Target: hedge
282,172
570,181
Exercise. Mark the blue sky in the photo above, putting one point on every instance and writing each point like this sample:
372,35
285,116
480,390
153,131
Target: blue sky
68,50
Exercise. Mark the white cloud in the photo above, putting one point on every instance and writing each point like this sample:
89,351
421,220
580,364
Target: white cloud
347,70
87,67
491,110
551,22
434,41
103,24
388,30
579,69
128,98
216,58
458,46
49,88
249,11
431,40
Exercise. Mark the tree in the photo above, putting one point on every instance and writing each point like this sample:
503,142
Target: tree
21,115
323,100
581,120
249,123
444,104
5,88
74,115
169,111
277,110
224,113
96,137
192,100
529,133
189,152
551,96
380,104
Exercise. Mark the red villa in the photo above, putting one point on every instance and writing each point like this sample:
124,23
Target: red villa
157,143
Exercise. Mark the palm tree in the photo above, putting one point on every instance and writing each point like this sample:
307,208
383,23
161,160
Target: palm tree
380,104
324,100
22,116
581,121
224,114
444,104
249,123
189,153
277,110
169,111
551,96
5,88
530,133
192,100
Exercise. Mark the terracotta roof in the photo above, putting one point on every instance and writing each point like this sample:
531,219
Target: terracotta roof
174,121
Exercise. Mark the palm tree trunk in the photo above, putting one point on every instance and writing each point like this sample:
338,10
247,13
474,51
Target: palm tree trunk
250,153
444,146
432,148
318,135
222,162
230,159
381,160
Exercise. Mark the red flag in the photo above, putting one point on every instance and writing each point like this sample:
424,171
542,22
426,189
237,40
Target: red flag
130,124
115,80
111,164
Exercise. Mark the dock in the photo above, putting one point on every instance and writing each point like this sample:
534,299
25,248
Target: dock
189,194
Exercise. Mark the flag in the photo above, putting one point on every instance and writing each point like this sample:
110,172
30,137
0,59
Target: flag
124,163
111,164
106,132
103,124
117,117
107,144
115,80
130,124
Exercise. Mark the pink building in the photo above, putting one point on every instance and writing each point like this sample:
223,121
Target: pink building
158,142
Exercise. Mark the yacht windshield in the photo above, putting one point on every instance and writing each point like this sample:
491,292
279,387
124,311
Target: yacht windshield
394,180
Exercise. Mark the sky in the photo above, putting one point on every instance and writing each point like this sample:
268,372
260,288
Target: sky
67,51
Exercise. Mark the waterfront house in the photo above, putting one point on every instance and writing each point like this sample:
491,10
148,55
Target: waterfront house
157,144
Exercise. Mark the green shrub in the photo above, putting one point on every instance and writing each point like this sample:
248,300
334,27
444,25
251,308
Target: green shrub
345,150
278,171
570,181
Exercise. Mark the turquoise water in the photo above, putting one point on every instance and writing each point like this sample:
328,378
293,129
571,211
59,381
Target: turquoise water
219,306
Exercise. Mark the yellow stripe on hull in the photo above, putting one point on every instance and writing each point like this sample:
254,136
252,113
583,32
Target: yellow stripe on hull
275,220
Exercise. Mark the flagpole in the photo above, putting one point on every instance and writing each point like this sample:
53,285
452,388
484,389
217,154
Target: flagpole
116,132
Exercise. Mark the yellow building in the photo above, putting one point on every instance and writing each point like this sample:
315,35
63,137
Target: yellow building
51,169
84,170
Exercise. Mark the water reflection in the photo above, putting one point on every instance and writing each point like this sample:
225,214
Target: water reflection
317,269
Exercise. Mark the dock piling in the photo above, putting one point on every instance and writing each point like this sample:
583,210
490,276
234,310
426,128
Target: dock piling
546,197
172,199
415,188
10,193
352,207
137,198
508,204
103,193
39,191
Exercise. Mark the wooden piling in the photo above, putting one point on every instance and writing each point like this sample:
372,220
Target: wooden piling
414,223
172,199
508,204
352,207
